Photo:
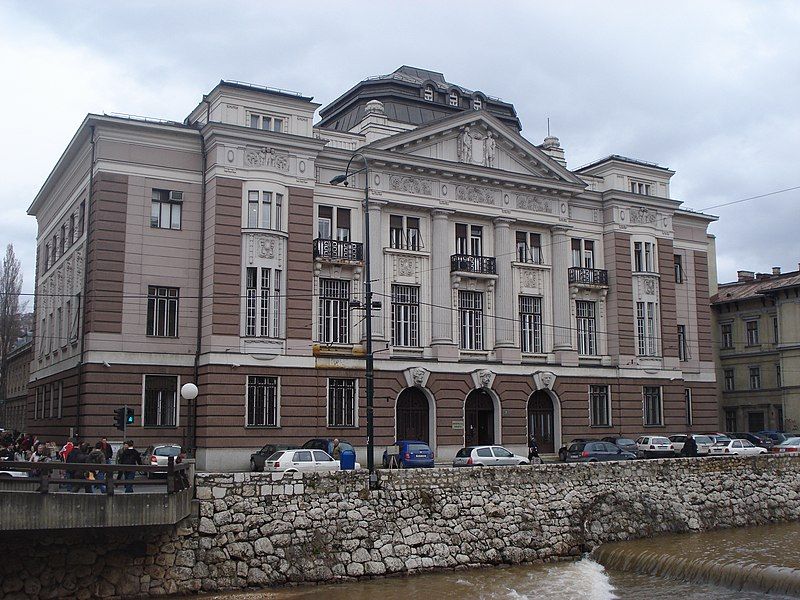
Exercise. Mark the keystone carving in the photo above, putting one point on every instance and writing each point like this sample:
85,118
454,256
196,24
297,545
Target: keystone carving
544,380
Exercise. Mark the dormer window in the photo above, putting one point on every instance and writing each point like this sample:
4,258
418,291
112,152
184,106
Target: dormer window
640,187
453,99
266,122
477,104
428,94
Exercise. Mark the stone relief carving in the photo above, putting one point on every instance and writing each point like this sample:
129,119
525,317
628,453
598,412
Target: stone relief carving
411,185
417,376
474,148
267,157
530,278
534,203
544,380
650,286
642,216
475,194
482,378
406,266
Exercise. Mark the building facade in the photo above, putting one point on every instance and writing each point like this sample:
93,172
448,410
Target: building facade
516,296
13,408
757,328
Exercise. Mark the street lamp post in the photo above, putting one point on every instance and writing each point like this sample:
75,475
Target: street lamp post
369,373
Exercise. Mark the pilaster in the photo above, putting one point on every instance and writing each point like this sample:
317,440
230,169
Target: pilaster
441,311
562,323
504,293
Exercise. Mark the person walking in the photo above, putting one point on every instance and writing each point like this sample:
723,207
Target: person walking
689,449
336,451
98,457
108,451
79,455
129,456
533,448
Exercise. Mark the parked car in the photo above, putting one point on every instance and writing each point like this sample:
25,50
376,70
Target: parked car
624,444
301,460
654,446
326,444
755,439
158,456
410,454
562,452
740,448
777,437
718,438
487,456
596,452
259,457
703,442
789,445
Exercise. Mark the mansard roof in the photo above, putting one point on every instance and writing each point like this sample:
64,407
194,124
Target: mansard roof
761,285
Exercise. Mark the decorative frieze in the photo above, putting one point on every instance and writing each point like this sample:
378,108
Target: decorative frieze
642,216
478,195
261,246
535,204
268,158
411,185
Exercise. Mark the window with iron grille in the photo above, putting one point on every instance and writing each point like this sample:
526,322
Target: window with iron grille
160,401
334,311
404,233
342,402
470,307
262,401
162,311
600,405
405,315
587,327
165,210
653,413
530,322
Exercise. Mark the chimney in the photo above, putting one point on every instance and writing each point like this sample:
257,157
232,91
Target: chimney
745,276
776,270
552,147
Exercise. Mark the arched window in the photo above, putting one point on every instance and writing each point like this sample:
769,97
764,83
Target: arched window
453,99
428,94
477,103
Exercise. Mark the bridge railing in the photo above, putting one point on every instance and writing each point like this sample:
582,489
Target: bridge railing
76,475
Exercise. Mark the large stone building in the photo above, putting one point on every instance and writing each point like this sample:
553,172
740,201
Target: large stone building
13,408
757,331
517,295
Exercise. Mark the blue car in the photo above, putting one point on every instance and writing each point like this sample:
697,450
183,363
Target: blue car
411,454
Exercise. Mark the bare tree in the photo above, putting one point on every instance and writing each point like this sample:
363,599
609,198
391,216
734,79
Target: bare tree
10,310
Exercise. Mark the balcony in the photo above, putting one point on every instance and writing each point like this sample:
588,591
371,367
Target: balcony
482,265
338,251
588,277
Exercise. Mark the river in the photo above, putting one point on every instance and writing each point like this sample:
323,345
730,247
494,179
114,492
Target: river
708,566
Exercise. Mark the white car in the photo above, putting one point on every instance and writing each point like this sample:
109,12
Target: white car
487,456
703,442
740,447
654,446
791,444
301,460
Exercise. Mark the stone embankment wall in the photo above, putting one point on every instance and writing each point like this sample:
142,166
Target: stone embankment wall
254,532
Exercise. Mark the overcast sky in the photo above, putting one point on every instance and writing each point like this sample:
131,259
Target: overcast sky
709,89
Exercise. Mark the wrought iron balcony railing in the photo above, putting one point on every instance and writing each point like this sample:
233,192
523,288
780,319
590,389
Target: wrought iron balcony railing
485,265
337,250
581,276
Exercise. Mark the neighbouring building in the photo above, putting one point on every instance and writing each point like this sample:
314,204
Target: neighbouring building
757,332
517,296
14,407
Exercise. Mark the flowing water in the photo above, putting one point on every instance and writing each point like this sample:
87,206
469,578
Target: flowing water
749,563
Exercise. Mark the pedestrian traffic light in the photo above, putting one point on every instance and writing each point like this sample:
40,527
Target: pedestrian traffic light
129,416
123,417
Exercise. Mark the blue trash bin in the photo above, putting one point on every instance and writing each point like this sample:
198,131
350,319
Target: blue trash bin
347,460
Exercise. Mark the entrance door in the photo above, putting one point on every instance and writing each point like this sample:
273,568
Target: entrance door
412,416
540,421
755,421
478,419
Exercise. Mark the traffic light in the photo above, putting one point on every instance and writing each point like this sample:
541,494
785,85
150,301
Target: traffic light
129,416
123,417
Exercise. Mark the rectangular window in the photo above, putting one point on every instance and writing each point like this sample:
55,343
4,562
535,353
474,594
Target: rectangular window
678,268
262,303
587,328
529,247
638,187
59,325
276,304
63,239
726,333
687,399
599,406
682,355
469,239
51,393
343,224
262,401
162,311
652,405
251,301
730,382
72,229
646,329
752,333
582,253
324,222
530,322
775,334
342,402
470,308
266,122
405,316
755,378
165,210
279,212
453,99
60,398
54,248
46,256
334,311
730,419
264,312
160,401
81,218
404,233
778,379
643,254
262,212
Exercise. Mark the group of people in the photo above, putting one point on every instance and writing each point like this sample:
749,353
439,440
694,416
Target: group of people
26,447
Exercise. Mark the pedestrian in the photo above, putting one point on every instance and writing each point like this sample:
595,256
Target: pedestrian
336,452
98,457
533,448
689,449
108,451
129,456
79,455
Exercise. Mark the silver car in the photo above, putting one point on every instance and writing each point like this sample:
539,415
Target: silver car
703,442
159,455
302,460
487,456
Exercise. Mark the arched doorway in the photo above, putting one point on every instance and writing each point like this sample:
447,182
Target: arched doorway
412,415
479,419
541,421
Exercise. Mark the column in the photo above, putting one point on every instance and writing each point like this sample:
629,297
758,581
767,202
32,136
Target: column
562,322
441,311
377,266
504,301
